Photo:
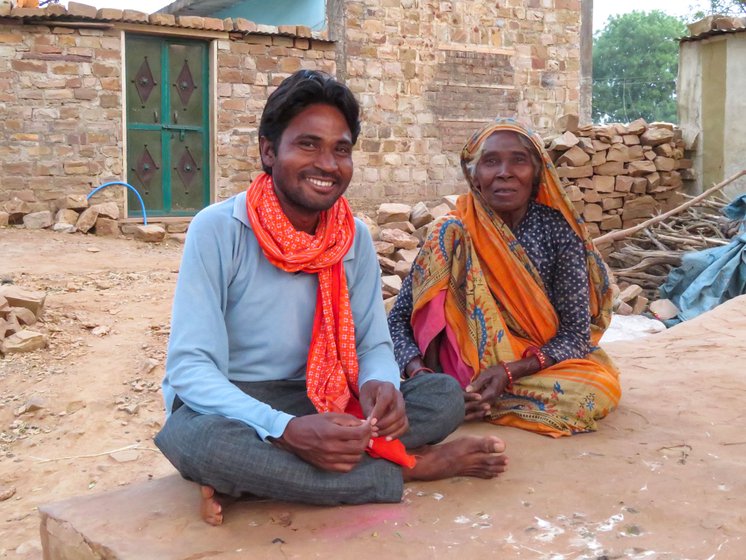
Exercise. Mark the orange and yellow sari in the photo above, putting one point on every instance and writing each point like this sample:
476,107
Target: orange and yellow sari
474,274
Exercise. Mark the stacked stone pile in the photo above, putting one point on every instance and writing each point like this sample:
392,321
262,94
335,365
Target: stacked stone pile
19,310
618,175
398,231
628,299
72,213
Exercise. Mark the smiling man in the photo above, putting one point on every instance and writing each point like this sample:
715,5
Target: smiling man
281,380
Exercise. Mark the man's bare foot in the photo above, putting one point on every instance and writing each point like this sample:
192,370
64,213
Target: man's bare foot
210,509
468,456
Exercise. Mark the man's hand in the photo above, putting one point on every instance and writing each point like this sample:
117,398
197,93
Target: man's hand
484,391
383,405
331,441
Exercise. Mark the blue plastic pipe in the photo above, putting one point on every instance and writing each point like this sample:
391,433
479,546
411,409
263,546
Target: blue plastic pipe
130,187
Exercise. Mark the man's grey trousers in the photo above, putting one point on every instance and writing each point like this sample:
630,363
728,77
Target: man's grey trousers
229,456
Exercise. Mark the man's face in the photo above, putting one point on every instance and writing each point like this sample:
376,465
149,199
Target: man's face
312,166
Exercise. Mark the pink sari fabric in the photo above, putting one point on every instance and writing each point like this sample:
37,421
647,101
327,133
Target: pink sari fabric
428,324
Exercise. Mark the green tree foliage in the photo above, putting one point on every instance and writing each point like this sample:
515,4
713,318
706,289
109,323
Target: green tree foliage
635,63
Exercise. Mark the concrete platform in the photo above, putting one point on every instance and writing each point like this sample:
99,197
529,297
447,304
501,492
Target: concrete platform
662,479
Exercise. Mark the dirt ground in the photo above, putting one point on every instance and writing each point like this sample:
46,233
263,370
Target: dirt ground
96,403
107,315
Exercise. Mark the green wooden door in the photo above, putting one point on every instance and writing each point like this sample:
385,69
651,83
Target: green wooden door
167,125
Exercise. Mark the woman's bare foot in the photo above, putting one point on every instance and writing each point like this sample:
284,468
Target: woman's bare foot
468,456
210,509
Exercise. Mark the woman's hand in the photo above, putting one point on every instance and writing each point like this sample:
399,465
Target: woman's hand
484,391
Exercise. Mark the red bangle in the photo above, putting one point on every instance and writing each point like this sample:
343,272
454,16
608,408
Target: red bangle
510,375
420,370
534,351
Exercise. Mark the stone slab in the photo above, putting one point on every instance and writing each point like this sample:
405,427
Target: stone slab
662,478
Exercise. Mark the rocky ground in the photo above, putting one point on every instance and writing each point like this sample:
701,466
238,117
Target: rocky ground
79,416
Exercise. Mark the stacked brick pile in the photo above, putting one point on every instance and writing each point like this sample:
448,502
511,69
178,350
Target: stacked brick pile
398,231
19,310
618,175
628,298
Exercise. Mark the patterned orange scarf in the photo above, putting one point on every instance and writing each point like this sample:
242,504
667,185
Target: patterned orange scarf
332,367
332,360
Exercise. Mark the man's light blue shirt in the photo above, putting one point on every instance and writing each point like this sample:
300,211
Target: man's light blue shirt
236,317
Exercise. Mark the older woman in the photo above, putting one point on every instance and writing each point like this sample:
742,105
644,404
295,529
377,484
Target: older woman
509,296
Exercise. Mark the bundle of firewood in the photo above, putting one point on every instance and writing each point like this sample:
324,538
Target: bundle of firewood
646,258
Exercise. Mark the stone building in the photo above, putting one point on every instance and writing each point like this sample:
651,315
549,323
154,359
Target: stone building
711,100
170,103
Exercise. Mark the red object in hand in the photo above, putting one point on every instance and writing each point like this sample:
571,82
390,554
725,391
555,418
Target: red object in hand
379,447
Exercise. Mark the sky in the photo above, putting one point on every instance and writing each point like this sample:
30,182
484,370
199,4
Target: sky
602,9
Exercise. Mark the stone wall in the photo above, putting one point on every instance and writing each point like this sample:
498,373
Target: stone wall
60,111
429,73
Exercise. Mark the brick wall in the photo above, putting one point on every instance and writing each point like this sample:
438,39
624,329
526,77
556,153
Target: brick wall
60,111
61,108
429,73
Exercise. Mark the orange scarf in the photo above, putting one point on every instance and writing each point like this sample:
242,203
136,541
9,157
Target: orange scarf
332,367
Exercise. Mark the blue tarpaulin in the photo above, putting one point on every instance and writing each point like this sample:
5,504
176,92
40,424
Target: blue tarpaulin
707,278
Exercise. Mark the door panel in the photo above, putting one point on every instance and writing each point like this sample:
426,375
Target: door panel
186,170
145,172
167,125
186,75
144,80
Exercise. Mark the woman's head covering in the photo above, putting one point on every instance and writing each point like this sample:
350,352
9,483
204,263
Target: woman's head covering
552,194
474,147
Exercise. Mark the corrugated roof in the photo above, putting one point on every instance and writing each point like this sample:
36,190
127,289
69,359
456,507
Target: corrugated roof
715,25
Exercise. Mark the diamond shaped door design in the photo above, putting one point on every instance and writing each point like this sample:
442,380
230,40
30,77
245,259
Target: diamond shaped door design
167,125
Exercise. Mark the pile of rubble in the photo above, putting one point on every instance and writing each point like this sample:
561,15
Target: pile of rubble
19,310
619,175
73,213
629,299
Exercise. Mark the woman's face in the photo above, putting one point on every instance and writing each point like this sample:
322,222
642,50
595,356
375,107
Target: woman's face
505,175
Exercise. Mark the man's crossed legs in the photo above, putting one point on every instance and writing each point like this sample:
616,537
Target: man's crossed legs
228,457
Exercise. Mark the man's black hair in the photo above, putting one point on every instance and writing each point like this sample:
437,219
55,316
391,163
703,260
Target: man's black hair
300,90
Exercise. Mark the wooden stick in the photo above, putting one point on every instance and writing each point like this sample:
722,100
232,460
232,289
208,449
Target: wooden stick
622,233
136,446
